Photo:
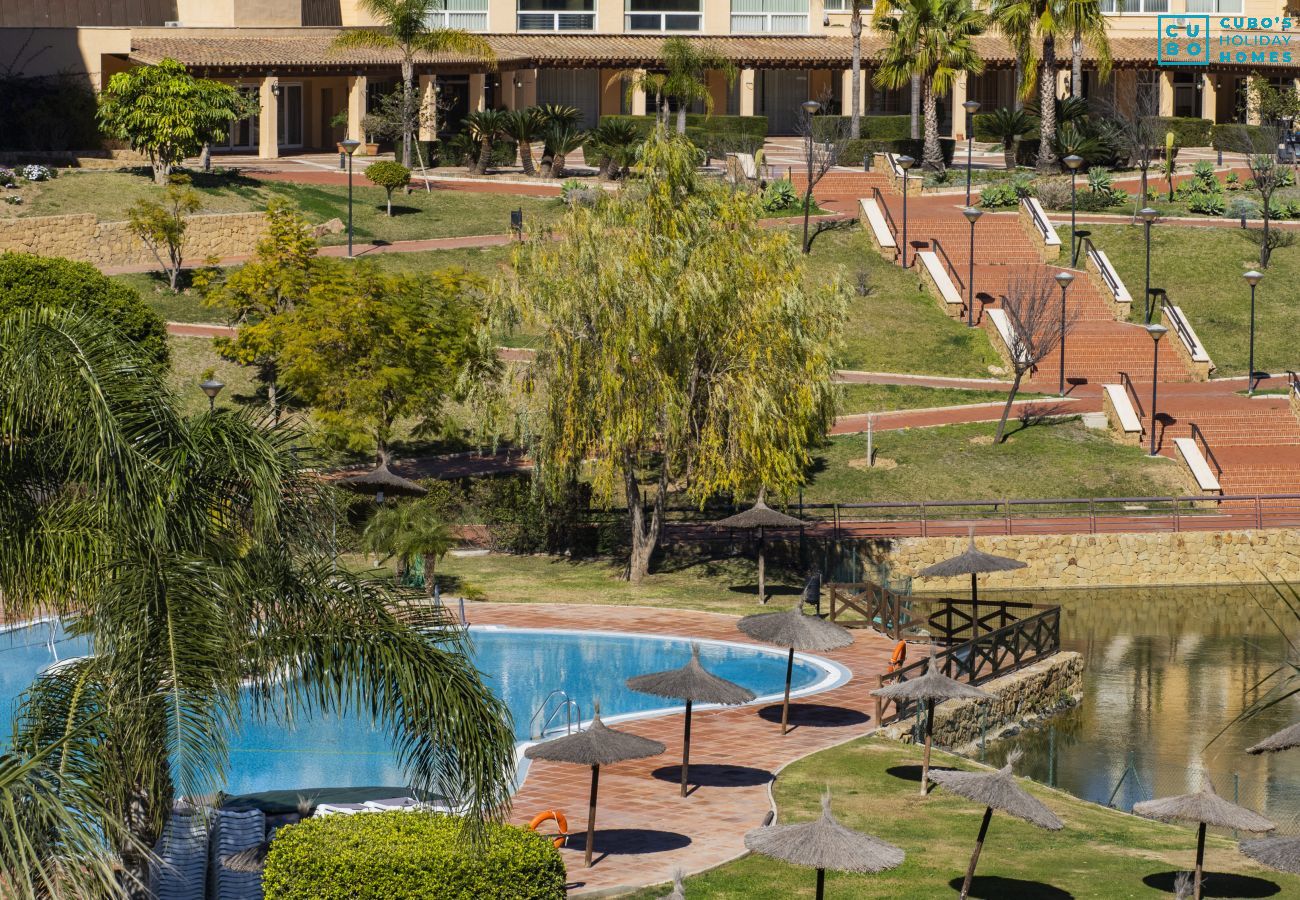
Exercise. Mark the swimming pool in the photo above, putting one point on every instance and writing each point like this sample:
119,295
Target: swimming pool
522,666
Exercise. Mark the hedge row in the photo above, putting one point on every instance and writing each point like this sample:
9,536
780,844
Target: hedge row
855,152
743,126
409,855
1244,138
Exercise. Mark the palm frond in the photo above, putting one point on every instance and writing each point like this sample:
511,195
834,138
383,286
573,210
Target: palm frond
364,39
454,40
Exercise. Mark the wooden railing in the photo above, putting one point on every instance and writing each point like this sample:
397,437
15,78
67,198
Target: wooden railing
983,658
945,620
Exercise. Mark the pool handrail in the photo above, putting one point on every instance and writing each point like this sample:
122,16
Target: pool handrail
567,705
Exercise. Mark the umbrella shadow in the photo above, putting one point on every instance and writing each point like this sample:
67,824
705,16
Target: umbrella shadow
1218,884
773,590
995,887
627,842
719,776
815,715
913,773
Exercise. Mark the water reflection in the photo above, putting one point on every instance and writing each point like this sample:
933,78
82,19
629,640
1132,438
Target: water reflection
1165,670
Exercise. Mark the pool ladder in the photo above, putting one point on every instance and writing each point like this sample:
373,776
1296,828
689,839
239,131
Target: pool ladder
566,705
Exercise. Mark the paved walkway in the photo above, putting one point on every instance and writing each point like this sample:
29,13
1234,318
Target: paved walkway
644,828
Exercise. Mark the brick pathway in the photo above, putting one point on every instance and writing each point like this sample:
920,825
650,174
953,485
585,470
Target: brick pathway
644,828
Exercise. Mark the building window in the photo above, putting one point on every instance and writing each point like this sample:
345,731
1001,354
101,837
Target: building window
557,15
662,15
774,16
467,15
1136,6
846,6
1214,6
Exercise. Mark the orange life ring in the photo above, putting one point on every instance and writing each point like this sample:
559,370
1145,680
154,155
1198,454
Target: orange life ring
560,822
899,656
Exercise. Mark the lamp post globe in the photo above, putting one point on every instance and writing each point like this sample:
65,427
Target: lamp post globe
1157,331
1253,278
1064,279
972,214
211,387
1073,162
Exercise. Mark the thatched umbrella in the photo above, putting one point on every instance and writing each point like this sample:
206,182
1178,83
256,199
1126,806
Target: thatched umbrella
996,790
796,631
598,746
932,688
679,889
1286,739
824,844
1281,853
694,684
973,563
381,481
1204,807
759,516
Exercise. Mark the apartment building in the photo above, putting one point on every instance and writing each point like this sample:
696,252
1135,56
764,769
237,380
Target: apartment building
574,51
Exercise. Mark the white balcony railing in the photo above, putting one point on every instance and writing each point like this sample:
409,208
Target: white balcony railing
773,23
661,21
556,21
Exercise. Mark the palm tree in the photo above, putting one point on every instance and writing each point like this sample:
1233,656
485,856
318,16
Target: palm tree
649,83
485,126
523,126
1024,22
561,140
404,27
1010,125
855,68
615,141
190,550
685,78
931,40
1086,24
411,529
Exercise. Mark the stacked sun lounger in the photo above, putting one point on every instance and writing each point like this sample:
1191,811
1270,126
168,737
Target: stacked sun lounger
232,832
181,870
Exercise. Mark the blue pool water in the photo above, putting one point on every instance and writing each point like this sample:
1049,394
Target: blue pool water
522,666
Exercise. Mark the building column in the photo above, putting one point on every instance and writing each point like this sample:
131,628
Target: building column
268,122
1209,98
428,127
958,112
1166,92
747,79
638,94
356,107
477,92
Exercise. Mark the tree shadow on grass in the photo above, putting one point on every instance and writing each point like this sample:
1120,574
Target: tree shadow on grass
995,887
398,210
815,715
715,776
1218,884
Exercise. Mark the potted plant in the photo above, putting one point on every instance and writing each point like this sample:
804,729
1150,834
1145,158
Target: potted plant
367,148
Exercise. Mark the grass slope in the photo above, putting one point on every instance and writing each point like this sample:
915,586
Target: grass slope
1101,854
865,398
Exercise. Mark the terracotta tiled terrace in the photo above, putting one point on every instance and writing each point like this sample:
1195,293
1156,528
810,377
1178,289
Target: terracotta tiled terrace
644,828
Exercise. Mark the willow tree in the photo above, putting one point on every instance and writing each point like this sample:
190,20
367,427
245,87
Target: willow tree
682,350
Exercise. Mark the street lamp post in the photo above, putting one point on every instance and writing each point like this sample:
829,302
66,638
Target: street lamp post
1252,278
972,214
1148,217
1064,279
1073,162
1156,331
211,387
971,107
810,108
349,147
905,163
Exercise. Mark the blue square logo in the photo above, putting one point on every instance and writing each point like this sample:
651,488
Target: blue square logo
1183,40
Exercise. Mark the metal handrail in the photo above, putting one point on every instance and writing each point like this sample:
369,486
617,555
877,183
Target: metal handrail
1198,437
1132,391
1179,324
568,705
947,261
1107,274
1040,221
884,208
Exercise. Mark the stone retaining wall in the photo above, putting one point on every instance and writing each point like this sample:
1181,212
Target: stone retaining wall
108,244
1035,692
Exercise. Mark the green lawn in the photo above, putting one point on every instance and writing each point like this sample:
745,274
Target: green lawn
419,215
865,398
1100,854
1201,269
192,359
960,462
897,326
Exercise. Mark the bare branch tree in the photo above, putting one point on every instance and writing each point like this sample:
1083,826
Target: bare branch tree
1038,319
824,138
1135,130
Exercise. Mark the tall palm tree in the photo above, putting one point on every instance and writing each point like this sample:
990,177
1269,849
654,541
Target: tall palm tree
931,40
1087,25
404,27
408,530
855,68
684,79
190,550
1027,23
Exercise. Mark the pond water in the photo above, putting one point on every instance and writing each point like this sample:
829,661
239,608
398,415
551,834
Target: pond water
1166,669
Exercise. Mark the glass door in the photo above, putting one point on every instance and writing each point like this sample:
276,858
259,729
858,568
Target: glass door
290,110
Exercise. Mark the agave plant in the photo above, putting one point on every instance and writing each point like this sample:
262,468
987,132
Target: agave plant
523,126
1074,138
561,140
1010,125
485,126
615,140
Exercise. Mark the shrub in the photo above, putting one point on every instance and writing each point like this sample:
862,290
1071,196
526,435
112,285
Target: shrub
56,113
1242,206
7,177
779,194
1243,138
412,856
1053,193
390,175
1206,203
1188,132
37,173
29,281
1008,192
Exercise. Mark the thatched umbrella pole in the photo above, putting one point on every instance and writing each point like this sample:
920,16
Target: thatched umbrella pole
760,516
591,814
974,605
785,704
925,757
686,747
975,857
1200,859
762,569
821,884
795,631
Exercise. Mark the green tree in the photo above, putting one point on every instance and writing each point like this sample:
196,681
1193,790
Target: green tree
203,576
365,349
485,126
27,282
932,40
855,69
166,113
682,347
389,175
408,530
523,126
1086,24
1010,125
255,296
162,225
404,27
686,68
1026,23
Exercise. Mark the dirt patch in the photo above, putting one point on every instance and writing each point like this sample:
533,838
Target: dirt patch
882,462
981,439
